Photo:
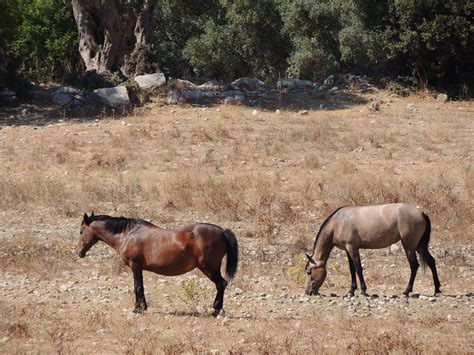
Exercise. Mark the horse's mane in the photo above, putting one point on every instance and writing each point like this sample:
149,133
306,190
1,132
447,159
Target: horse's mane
116,225
324,226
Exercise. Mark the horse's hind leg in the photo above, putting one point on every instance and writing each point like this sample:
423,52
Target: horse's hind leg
353,275
430,261
221,284
140,302
411,256
355,256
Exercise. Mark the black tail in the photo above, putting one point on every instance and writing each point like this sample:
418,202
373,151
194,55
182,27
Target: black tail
424,241
232,254
426,257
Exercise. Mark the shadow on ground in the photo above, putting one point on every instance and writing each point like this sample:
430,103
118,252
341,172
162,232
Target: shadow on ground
43,112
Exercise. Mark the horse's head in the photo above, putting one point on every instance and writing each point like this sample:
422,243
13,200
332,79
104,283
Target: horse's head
88,236
315,275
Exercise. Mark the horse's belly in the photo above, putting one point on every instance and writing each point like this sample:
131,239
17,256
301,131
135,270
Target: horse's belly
380,241
171,269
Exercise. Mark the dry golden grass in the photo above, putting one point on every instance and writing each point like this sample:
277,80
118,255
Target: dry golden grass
273,179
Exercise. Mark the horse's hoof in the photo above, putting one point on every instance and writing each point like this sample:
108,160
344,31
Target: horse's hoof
218,312
364,294
437,294
139,310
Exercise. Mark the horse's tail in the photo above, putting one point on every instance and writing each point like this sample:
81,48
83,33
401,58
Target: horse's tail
232,254
424,241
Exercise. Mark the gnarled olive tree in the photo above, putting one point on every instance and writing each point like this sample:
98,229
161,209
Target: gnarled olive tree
110,30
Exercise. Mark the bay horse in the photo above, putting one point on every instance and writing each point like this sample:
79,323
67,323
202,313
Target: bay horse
371,227
144,246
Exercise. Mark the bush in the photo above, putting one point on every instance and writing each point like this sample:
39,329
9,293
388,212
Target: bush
47,40
246,44
143,60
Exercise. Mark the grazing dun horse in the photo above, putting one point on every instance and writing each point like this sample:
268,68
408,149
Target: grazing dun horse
371,227
144,246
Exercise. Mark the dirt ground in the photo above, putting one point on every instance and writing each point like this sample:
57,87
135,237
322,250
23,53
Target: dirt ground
270,176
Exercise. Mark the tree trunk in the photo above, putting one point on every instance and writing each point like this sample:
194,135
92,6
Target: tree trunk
109,32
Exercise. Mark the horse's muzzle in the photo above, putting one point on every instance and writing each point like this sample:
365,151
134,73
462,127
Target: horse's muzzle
311,293
81,254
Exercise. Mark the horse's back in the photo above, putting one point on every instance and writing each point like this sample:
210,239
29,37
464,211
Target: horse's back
379,226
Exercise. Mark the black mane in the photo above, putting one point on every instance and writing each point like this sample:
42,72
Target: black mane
116,225
324,226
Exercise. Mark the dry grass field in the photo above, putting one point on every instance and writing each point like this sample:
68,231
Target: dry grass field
272,178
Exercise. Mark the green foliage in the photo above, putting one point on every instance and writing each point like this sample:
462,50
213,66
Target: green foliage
8,31
313,27
47,39
245,44
429,40
92,80
175,23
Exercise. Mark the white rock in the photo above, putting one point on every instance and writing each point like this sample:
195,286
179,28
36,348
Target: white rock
114,97
394,248
442,98
148,81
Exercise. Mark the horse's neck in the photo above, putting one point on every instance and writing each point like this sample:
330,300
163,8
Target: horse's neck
323,247
108,238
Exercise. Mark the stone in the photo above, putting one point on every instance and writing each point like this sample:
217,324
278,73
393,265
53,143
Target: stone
173,97
249,84
442,98
373,105
330,80
394,248
150,81
115,97
234,100
185,85
212,85
303,112
40,96
324,87
196,96
291,83
67,95
7,96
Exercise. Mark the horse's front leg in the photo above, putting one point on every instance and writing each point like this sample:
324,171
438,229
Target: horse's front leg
353,276
140,302
355,256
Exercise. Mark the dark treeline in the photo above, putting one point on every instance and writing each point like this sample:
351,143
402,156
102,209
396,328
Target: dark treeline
430,42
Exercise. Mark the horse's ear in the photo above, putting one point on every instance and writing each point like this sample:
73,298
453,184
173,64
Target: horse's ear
87,219
92,214
310,258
